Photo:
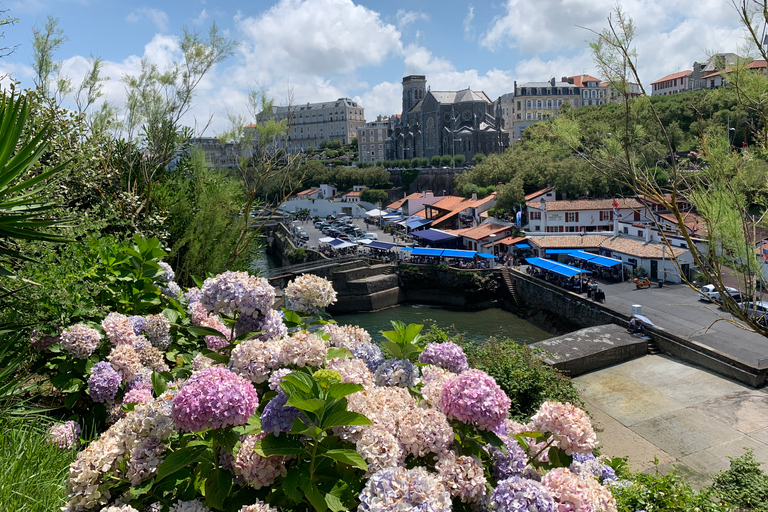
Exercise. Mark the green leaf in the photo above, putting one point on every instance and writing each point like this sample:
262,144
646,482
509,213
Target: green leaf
71,399
313,405
226,438
159,383
392,348
558,458
345,456
336,391
411,333
340,353
539,436
302,381
291,486
291,318
141,489
205,331
246,335
344,418
334,503
217,487
271,445
172,315
492,439
179,459
316,497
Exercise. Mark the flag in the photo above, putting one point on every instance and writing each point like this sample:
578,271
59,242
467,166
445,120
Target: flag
615,207
518,217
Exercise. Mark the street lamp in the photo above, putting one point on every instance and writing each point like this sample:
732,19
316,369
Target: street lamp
493,252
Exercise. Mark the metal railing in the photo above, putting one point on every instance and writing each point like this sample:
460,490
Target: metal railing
300,268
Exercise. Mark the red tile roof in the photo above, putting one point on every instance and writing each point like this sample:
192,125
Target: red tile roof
538,193
510,240
587,204
481,231
400,202
453,205
755,64
681,74
579,80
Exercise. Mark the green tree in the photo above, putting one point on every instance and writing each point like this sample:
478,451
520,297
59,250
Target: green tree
45,42
446,160
435,162
459,160
510,195
478,159
374,196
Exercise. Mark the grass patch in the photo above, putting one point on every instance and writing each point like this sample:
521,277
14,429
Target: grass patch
32,473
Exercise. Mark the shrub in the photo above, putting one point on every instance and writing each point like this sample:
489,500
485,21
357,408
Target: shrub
522,375
743,485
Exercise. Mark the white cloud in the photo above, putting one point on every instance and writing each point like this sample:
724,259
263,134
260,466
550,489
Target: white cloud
156,16
469,30
405,18
317,37
381,99
201,18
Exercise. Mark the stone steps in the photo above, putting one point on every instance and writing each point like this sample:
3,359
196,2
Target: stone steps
512,288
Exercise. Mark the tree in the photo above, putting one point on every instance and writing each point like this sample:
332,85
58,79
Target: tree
478,159
459,160
510,195
728,192
435,161
374,196
45,42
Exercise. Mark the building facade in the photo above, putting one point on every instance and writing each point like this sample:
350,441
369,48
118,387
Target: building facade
311,124
534,101
371,138
217,154
437,123
582,215
671,84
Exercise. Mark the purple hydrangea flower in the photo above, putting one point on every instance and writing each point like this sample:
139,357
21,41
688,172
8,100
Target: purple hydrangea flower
519,495
369,353
277,377
276,417
157,329
509,464
80,340
138,324
237,292
103,382
214,398
396,372
398,489
191,296
446,355
271,324
474,398
64,435
168,274
171,289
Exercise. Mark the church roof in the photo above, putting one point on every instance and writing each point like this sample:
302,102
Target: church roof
463,96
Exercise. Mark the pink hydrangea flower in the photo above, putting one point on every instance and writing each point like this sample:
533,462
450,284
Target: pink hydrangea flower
64,435
214,398
258,471
80,340
577,494
474,398
569,425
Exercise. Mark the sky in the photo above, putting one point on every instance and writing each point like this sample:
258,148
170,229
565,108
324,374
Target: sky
321,50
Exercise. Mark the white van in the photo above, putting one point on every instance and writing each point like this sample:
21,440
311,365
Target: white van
371,236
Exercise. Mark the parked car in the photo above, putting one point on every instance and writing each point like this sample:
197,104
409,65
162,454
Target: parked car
709,293
344,237
757,309
320,223
326,229
371,236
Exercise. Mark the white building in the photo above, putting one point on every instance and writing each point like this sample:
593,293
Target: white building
309,125
325,207
370,139
582,215
671,84
414,203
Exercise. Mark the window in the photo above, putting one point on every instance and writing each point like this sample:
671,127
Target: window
639,233
571,216
534,215
553,229
570,229
606,215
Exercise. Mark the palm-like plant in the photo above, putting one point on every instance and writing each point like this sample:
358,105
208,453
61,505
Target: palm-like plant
23,210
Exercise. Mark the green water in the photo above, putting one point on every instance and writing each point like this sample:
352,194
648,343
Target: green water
477,326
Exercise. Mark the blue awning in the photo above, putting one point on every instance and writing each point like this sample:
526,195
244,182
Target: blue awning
603,261
557,268
406,248
422,251
486,255
336,242
433,235
384,246
522,246
417,222
559,251
455,253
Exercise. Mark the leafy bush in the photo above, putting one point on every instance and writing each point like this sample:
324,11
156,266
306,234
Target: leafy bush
743,485
522,375
662,492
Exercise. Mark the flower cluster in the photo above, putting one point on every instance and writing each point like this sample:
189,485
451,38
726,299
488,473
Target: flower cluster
516,494
396,372
569,425
80,340
255,360
309,293
276,417
258,471
462,476
346,336
214,398
588,465
271,326
126,361
474,397
302,349
423,431
352,370
103,382
119,329
40,341
157,329
397,489
233,293
64,435
446,355
578,494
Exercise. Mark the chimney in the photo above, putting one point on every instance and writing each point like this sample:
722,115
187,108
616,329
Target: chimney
429,194
474,196
647,233
564,79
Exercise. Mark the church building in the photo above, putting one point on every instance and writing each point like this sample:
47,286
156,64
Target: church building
441,123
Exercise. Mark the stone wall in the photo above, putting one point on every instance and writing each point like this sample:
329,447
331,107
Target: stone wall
440,285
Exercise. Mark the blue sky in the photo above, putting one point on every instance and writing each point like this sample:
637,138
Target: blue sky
320,50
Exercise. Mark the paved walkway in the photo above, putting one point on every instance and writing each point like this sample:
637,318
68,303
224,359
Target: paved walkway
657,406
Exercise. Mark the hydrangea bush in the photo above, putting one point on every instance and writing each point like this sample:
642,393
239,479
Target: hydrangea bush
294,418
